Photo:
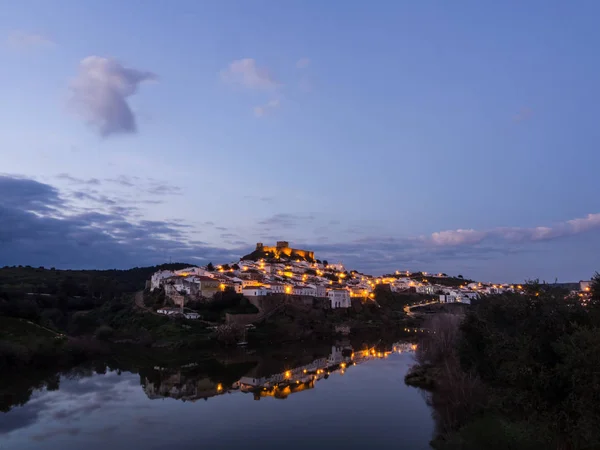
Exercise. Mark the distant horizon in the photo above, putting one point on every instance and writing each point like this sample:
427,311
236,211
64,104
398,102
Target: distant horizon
349,269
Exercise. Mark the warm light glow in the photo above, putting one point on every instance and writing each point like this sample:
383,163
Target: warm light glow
219,387
288,374
222,286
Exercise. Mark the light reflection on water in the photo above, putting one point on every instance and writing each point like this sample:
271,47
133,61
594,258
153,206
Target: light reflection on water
352,398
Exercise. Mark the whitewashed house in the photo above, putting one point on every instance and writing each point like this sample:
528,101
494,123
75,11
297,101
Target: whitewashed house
340,298
320,291
277,288
169,311
191,315
255,291
158,278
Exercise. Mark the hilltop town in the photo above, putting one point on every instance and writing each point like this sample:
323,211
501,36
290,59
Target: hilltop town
272,275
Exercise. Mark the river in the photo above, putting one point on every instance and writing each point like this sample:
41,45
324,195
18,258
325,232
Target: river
329,397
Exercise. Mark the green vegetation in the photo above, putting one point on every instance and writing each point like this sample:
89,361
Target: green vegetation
518,371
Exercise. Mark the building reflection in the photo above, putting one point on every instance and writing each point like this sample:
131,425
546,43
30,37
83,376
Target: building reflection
189,383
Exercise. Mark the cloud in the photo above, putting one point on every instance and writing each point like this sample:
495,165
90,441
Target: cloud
100,92
523,115
302,63
246,73
20,40
457,237
515,234
39,226
75,180
260,111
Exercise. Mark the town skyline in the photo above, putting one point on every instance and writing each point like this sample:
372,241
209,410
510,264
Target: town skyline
457,139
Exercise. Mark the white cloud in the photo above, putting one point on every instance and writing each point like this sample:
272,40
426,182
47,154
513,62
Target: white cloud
584,224
246,73
20,40
303,63
100,93
516,234
457,237
260,111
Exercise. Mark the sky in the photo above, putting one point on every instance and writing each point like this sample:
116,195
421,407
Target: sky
430,136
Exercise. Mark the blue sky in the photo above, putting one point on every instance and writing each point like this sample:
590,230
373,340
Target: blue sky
357,129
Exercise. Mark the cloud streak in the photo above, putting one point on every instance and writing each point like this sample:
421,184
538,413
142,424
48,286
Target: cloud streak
100,92
40,225
515,234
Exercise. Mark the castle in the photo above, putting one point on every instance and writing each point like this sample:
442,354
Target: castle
283,249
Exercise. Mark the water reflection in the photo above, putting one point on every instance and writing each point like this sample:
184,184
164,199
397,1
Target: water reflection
188,384
102,405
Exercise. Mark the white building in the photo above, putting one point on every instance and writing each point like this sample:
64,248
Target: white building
254,291
169,311
457,297
191,315
158,277
340,298
277,288
320,291
426,289
306,290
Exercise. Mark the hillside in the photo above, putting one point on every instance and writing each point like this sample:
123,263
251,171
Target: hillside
21,280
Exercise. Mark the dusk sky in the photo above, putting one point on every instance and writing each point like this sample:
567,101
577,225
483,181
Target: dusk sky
437,136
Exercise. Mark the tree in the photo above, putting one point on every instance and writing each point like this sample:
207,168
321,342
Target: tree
595,287
460,276
325,263
210,267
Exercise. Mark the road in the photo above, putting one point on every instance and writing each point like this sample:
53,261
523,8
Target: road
408,309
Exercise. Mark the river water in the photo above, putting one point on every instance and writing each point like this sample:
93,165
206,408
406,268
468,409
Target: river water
327,398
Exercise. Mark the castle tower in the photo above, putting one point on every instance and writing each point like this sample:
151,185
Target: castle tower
259,246
282,244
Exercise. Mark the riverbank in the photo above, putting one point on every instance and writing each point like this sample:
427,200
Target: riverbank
516,371
25,344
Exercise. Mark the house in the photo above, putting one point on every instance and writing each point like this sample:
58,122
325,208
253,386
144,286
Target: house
191,315
158,278
320,291
254,291
305,290
208,287
169,311
457,297
340,298
426,289
277,288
